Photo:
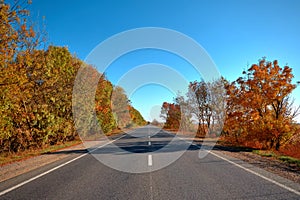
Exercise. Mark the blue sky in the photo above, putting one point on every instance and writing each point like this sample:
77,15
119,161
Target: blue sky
234,33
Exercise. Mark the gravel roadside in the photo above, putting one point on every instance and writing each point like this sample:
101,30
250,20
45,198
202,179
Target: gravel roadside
286,170
23,166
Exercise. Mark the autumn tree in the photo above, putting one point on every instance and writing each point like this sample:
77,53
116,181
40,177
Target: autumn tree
103,105
136,117
207,103
46,97
259,109
17,38
186,121
172,114
37,89
125,114
198,99
120,109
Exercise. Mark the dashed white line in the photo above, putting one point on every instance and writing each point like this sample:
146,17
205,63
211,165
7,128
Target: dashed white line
149,143
149,160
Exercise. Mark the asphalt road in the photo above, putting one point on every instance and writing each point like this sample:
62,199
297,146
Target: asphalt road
146,154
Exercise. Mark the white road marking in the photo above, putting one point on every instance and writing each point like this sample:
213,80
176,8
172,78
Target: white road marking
149,143
250,171
149,136
257,174
53,169
151,186
149,160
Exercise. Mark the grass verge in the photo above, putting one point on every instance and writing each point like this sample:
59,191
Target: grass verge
287,159
290,160
265,153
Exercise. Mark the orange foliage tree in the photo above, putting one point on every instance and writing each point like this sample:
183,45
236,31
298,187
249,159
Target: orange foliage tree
258,108
136,117
172,114
36,89
125,114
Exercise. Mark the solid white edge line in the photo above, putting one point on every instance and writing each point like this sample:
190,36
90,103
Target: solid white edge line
257,174
53,169
149,160
250,171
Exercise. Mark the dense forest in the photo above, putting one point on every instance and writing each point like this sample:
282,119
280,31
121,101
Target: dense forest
36,87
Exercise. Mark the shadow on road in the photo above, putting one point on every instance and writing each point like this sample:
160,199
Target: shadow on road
74,151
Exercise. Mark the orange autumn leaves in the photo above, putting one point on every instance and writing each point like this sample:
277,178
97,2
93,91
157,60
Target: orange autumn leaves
36,89
172,114
259,110
256,109
125,114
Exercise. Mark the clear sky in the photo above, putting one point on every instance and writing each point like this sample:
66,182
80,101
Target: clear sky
234,33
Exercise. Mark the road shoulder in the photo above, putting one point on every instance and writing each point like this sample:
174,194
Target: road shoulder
269,164
17,168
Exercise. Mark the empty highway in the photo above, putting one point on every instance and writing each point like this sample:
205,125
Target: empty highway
148,163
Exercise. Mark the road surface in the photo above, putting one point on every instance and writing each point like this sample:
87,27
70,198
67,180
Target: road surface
85,177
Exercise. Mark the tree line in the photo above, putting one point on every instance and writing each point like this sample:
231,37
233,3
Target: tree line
254,110
36,89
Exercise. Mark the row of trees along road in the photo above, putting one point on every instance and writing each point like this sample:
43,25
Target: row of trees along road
36,88
255,110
